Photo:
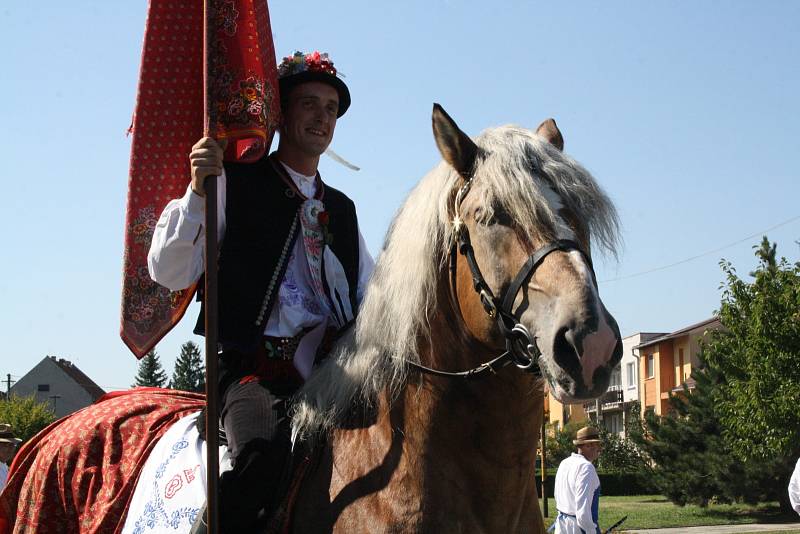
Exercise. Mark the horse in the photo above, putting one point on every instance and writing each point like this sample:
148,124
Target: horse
425,416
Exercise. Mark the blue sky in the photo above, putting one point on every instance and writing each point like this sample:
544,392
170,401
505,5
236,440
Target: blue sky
686,113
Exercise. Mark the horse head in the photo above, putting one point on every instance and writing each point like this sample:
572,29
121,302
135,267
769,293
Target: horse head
523,217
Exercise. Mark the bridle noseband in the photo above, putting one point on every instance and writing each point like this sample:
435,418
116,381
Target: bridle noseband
521,347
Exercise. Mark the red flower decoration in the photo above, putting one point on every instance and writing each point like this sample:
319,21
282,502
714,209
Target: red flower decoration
323,218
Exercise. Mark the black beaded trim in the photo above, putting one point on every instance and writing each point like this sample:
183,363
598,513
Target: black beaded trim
273,282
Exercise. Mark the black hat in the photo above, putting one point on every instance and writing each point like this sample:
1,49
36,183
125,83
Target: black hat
314,67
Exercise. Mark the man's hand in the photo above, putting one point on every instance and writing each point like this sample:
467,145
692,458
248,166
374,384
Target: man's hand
205,160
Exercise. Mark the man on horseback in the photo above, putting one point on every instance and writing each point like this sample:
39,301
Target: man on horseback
577,487
292,270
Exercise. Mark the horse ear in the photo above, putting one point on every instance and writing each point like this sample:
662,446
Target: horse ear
550,132
456,147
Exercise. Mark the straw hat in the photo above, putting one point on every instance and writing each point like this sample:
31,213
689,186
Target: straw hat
7,435
586,435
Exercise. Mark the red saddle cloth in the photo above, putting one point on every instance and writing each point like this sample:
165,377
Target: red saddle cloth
78,474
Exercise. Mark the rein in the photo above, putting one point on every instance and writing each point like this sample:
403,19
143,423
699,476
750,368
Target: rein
521,347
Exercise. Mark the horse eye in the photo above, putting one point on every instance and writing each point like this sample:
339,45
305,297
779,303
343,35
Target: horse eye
492,217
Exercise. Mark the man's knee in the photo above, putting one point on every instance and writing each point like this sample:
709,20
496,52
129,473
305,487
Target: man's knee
249,412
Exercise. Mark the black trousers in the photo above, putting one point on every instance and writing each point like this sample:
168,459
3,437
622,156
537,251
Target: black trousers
254,416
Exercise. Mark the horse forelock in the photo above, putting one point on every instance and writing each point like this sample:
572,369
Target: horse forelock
514,171
520,171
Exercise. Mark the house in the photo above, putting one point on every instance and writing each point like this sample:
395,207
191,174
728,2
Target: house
666,363
558,414
60,383
613,409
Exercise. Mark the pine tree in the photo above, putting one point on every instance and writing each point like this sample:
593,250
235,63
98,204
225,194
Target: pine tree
189,372
150,372
685,447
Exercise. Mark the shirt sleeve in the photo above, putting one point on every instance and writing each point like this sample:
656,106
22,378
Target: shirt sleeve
365,267
587,484
176,257
794,488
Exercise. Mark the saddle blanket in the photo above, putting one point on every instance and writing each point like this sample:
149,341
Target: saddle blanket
172,486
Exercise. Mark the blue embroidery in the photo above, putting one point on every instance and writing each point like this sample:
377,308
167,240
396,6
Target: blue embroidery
154,514
290,295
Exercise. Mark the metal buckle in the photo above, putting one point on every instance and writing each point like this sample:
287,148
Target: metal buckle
522,347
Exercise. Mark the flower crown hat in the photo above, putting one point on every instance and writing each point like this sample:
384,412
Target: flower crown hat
314,67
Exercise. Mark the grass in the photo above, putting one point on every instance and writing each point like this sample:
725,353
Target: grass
655,511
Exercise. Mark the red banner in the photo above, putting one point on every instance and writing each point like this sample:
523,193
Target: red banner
243,106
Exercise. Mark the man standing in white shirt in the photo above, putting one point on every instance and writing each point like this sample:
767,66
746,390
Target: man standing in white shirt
794,488
577,487
293,267
8,444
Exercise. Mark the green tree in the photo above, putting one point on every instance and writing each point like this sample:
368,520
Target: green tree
26,415
690,460
757,352
559,444
736,435
150,372
620,455
189,372
684,446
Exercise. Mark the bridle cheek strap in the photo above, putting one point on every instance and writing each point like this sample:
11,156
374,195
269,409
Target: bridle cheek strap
520,344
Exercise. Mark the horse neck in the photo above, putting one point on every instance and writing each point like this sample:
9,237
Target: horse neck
475,439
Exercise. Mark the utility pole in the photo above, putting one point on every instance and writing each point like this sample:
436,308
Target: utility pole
8,384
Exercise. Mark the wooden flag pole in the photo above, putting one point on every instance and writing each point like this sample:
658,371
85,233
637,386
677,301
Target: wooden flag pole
211,310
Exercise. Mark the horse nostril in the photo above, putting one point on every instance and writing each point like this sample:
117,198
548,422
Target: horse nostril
565,353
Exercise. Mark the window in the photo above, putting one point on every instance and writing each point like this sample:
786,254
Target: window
44,387
613,423
631,371
683,365
651,366
616,378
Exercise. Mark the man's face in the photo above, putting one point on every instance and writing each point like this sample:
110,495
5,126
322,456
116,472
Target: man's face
591,451
6,451
310,118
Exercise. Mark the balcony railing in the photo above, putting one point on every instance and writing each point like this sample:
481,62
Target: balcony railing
610,400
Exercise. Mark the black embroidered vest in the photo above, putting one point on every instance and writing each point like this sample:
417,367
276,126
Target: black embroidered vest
262,224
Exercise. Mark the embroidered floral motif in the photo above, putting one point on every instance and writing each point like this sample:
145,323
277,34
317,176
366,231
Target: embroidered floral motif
155,515
146,303
143,226
242,103
225,16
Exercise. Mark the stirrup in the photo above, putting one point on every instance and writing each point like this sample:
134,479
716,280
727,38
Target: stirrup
200,526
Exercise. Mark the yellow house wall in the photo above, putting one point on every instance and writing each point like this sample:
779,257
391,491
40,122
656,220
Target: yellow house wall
560,413
682,370
648,386
555,412
665,374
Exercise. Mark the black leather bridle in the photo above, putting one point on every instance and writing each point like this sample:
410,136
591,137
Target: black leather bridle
521,347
